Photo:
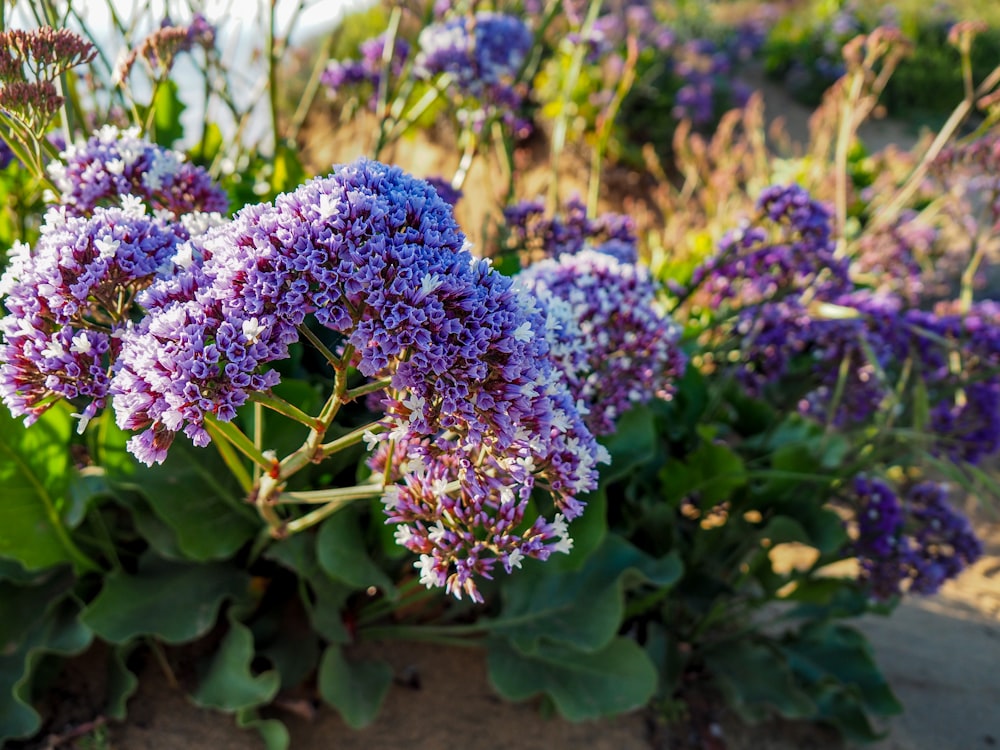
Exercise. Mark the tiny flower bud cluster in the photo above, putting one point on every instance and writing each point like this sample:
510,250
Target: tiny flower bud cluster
484,54
68,302
114,163
911,544
607,333
473,402
533,233
160,48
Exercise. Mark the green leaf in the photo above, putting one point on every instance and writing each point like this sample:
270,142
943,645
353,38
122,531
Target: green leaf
328,596
230,684
837,661
588,532
355,689
60,632
756,680
122,681
712,470
196,496
632,444
288,171
106,442
583,608
341,552
272,731
167,107
34,473
582,685
175,602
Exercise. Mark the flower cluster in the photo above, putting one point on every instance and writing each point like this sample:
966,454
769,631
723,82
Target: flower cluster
68,302
30,63
703,72
606,332
160,48
472,401
484,55
534,233
911,544
340,74
114,163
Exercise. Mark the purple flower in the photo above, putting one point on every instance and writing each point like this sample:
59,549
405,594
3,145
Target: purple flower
913,544
532,232
606,332
472,401
341,74
114,163
484,55
69,299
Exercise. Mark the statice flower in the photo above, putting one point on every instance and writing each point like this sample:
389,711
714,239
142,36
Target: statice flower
68,301
342,74
114,163
448,194
607,332
374,255
787,251
534,233
483,55
159,50
911,544
888,257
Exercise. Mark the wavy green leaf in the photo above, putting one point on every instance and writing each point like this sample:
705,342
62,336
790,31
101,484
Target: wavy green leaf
174,602
229,684
355,688
34,474
583,685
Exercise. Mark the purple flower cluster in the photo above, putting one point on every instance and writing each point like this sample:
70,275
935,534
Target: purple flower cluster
909,545
607,333
887,258
473,403
534,233
68,302
448,194
114,163
796,259
340,74
701,68
484,55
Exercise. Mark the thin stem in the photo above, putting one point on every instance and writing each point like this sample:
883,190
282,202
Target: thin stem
230,432
351,438
235,465
282,407
313,518
363,390
313,339
317,497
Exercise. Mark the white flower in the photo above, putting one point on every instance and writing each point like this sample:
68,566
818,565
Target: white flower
106,248
81,344
252,329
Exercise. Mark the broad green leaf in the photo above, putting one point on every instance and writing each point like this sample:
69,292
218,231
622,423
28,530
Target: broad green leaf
355,689
174,602
756,680
583,608
582,685
272,731
826,649
230,684
196,496
59,632
712,471
341,552
34,474
631,444
327,596
167,107
588,532
122,681
106,442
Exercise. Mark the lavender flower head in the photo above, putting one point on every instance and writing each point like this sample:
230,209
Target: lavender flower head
376,256
607,333
68,301
341,74
913,544
534,233
115,163
484,54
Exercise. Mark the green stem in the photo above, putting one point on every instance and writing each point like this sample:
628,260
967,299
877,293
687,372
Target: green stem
234,464
278,404
232,433
337,494
363,390
314,517
351,438
313,339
